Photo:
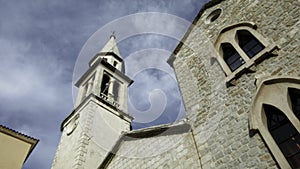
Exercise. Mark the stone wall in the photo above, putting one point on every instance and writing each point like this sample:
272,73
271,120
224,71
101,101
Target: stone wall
174,151
219,114
92,138
72,148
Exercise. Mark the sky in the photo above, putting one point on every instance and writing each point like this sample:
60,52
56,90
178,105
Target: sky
45,46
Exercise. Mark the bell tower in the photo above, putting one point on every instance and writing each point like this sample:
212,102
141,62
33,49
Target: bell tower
100,112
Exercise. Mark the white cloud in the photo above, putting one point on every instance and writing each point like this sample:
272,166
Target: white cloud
30,90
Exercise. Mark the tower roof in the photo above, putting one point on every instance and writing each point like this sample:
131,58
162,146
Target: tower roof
111,46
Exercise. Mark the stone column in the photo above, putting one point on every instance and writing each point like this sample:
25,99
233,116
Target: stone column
96,84
79,96
90,87
110,90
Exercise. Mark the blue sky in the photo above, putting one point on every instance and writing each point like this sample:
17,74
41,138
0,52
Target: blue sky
41,50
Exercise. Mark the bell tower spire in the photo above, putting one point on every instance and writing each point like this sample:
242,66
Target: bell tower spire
100,112
108,81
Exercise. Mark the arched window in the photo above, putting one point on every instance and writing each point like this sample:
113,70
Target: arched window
275,115
105,84
295,101
240,47
250,45
284,133
231,56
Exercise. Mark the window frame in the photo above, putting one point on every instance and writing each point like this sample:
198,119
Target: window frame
239,58
273,91
229,35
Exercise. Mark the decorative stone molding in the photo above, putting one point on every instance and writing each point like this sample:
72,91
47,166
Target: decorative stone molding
272,91
82,147
71,125
229,35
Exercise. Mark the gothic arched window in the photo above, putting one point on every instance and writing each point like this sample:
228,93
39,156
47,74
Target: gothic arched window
284,133
240,47
275,115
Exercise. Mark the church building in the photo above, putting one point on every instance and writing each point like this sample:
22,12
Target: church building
238,69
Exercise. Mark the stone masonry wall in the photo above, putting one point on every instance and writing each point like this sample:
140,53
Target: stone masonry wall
219,114
72,149
175,151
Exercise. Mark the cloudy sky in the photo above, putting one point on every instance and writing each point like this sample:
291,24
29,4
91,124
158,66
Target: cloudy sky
45,47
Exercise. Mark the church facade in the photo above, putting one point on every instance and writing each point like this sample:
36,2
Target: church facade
238,72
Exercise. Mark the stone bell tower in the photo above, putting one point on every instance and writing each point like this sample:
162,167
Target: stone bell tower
100,112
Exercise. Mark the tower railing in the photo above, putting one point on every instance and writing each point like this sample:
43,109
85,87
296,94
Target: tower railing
109,99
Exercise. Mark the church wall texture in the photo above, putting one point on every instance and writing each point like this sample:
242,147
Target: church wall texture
84,146
176,151
219,114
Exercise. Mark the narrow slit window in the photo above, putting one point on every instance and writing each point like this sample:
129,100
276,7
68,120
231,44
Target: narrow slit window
231,56
284,134
115,63
250,45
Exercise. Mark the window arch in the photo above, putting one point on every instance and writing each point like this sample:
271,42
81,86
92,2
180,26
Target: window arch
284,134
273,116
243,40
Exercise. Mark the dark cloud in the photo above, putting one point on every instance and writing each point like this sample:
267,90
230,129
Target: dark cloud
39,44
